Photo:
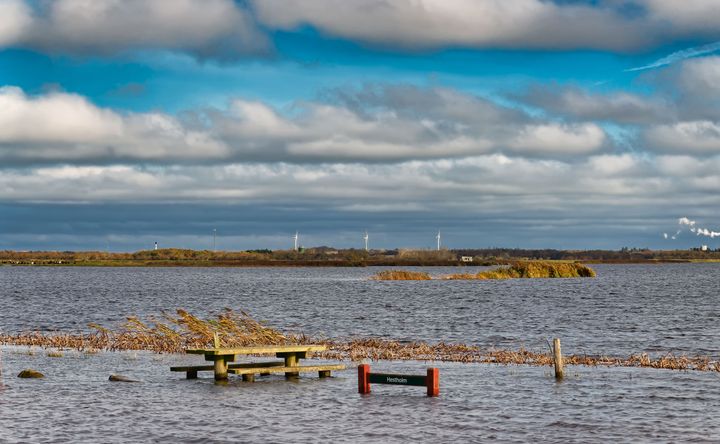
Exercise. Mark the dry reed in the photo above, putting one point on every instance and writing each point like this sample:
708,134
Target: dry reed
166,334
519,270
401,275
174,334
533,269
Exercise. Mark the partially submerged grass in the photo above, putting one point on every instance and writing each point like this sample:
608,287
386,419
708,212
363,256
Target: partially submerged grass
534,269
531,269
401,275
174,334
166,334
381,349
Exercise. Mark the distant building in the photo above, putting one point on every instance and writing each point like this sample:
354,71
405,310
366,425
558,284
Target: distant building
466,258
704,248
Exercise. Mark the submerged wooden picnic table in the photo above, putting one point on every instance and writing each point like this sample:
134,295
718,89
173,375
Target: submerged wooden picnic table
291,354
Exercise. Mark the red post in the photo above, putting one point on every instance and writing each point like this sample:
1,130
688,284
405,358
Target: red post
364,378
433,382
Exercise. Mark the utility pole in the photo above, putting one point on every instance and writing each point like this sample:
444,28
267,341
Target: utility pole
214,239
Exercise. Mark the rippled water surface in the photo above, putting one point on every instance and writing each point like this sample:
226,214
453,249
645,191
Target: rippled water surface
626,309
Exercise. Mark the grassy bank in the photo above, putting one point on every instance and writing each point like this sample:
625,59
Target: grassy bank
175,333
330,257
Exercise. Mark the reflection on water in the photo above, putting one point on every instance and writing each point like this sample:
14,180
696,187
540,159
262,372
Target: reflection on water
627,309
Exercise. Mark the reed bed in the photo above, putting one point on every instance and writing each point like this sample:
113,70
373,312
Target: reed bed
175,333
380,349
519,270
401,275
532,270
165,334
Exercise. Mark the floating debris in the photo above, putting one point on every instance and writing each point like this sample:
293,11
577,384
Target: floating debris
121,378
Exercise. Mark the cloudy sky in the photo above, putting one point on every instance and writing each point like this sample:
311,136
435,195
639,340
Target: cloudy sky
522,123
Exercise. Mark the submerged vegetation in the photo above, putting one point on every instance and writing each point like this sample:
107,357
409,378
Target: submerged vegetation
401,275
164,334
534,269
175,333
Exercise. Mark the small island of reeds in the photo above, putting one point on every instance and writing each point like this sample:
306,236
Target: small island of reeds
520,270
402,275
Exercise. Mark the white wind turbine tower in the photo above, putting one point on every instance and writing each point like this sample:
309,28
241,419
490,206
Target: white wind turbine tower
366,238
438,240
296,237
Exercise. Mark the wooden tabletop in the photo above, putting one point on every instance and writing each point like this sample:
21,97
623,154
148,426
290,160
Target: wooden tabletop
257,350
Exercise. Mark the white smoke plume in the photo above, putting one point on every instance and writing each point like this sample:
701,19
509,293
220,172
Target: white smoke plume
684,221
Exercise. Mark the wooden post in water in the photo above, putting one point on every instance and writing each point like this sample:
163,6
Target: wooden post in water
221,369
363,379
216,340
557,356
291,360
433,382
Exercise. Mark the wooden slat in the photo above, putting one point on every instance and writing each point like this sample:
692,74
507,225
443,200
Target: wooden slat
209,368
257,350
296,369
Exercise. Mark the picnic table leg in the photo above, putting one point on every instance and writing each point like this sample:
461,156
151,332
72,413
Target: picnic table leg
291,360
221,369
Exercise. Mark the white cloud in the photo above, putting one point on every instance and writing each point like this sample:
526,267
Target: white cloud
439,23
699,137
15,17
206,28
686,15
701,76
559,138
61,127
488,182
616,107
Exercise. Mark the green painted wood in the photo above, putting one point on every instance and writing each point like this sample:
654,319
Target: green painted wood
209,368
283,369
256,350
393,379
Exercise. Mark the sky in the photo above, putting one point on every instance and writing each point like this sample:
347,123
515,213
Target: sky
562,124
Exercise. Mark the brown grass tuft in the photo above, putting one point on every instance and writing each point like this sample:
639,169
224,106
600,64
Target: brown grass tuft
401,275
534,269
166,334
174,334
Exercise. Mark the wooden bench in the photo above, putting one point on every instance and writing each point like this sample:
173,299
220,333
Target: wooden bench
291,354
192,370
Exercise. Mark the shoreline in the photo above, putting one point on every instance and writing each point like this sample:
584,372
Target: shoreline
326,264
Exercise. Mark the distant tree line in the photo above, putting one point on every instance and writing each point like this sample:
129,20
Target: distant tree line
328,256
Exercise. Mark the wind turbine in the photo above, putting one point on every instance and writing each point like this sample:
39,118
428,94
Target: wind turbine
366,238
438,240
296,237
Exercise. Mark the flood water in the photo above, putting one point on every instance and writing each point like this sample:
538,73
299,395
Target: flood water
626,309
